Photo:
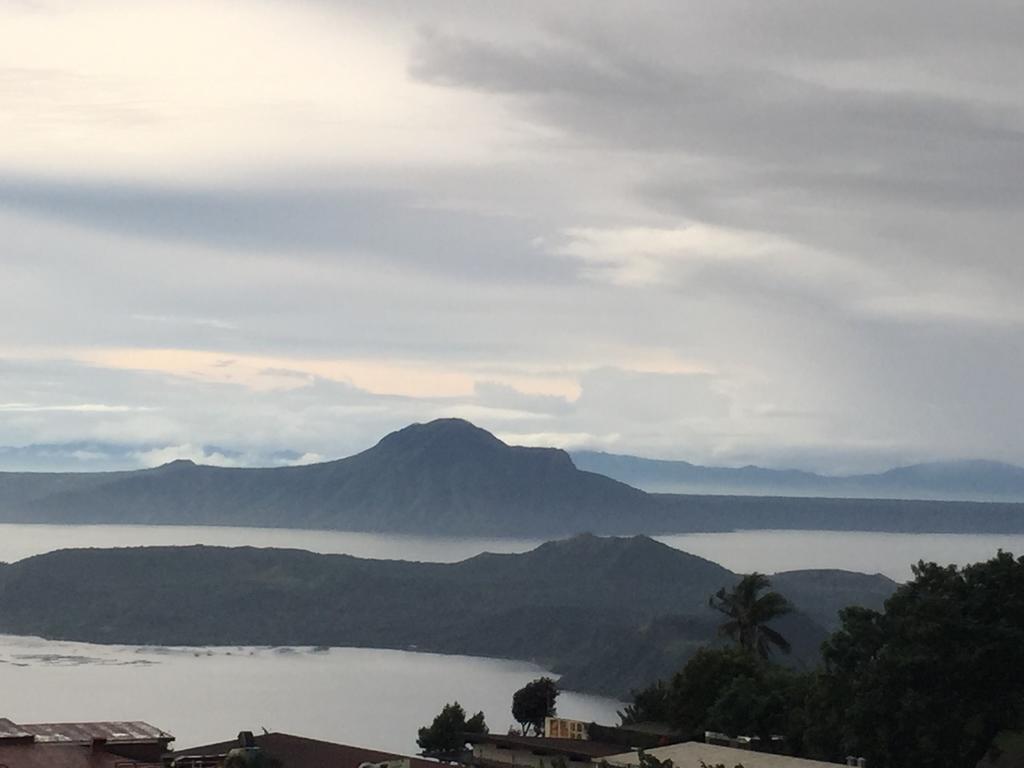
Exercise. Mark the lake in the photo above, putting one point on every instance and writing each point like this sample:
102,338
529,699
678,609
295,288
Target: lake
374,698
370,698
741,551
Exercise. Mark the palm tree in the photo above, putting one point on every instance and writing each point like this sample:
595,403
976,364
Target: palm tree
749,612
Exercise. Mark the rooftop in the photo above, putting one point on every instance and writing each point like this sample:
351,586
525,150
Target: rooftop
114,732
544,746
300,752
131,744
694,754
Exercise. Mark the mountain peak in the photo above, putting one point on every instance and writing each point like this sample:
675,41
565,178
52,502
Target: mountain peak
177,464
441,430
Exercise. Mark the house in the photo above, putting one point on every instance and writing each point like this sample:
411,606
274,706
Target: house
122,744
564,728
696,754
294,752
498,751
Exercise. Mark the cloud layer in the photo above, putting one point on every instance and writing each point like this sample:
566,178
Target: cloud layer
785,234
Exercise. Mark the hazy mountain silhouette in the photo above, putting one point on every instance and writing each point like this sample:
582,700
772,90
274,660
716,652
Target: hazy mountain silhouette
450,477
969,480
447,475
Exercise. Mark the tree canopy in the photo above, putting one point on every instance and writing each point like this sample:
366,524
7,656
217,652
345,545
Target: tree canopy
534,702
929,681
748,613
727,690
447,734
933,678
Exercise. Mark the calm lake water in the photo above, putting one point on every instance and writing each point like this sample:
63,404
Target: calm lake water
370,698
741,551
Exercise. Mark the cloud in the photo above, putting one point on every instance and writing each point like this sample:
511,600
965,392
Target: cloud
68,408
337,224
731,232
645,255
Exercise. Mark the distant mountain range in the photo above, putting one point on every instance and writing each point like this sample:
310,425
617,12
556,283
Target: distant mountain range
950,481
450,477
609,613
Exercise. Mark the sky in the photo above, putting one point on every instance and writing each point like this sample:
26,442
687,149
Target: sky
266,232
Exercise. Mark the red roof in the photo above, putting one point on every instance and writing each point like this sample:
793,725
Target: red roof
300,752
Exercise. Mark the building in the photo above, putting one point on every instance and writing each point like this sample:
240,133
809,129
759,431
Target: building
636,736
696,754
564,728
496,751
129,744
294,752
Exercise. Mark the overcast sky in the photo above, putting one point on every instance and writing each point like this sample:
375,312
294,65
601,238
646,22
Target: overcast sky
783,233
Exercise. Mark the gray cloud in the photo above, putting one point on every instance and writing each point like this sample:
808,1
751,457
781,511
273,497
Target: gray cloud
849,297
343,224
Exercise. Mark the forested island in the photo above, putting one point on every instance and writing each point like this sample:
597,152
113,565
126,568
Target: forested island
609,614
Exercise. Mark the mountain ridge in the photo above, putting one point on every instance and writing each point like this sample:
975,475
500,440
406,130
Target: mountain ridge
450,477
957,480
572,605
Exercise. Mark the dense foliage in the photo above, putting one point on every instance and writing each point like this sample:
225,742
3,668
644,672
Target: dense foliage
447,734
534,702
728,690
927,682
931,680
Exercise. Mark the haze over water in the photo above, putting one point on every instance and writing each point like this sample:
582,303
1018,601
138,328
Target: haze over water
742,551
374,698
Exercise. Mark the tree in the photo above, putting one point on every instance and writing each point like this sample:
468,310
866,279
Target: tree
697,686
649,705
768,703
728,690
650,761
534,702
934,677
748,613
446,736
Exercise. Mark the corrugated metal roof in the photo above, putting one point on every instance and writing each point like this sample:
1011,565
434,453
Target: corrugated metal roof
115,732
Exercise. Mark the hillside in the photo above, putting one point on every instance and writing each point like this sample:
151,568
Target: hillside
949,481
449,477
609,613
445,476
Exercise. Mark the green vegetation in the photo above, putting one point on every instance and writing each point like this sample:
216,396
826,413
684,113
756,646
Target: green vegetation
728,690
534,702
748,613
446,736
930,680
934,677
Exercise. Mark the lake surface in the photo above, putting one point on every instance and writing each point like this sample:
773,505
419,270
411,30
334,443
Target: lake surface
741,551
368,698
